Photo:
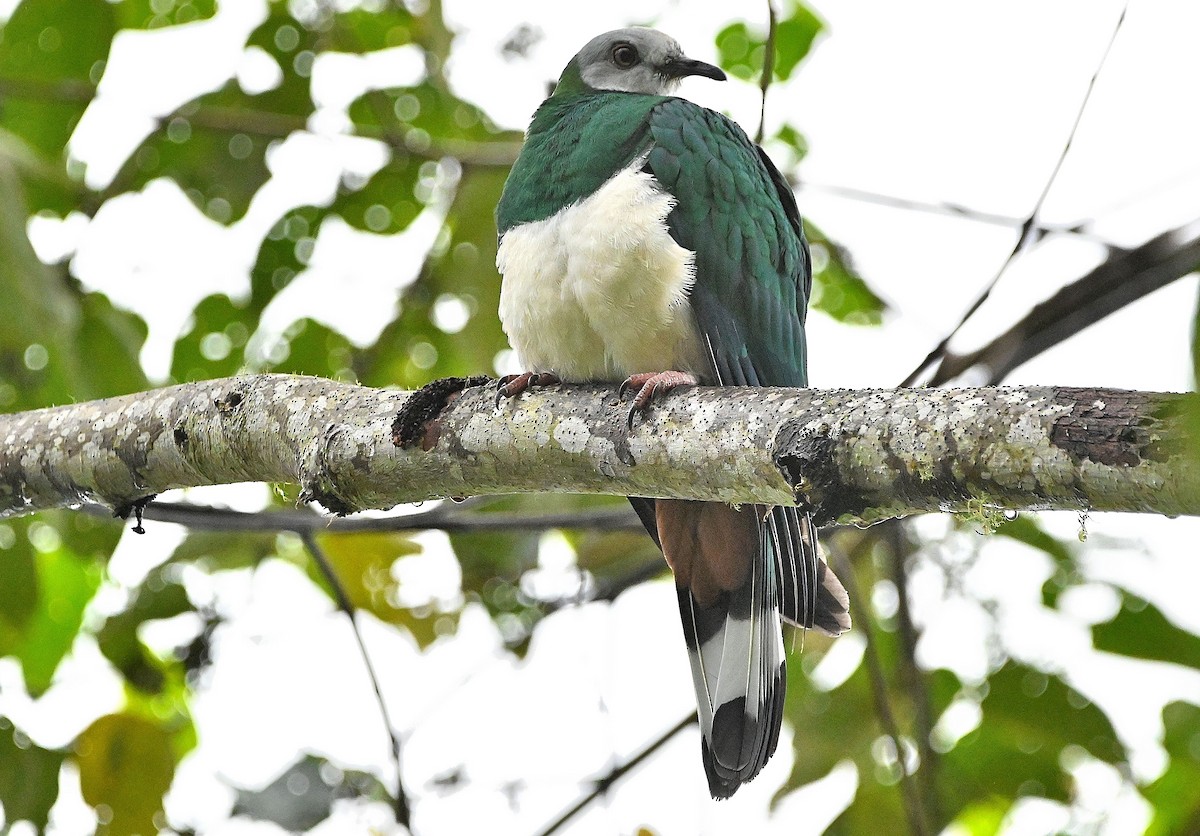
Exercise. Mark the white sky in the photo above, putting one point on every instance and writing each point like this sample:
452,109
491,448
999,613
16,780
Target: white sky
940,101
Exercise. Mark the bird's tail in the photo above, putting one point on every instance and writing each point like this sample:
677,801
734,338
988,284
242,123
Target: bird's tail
728,565
727,588
810,594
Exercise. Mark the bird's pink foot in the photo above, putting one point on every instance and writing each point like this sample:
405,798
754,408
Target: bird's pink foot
650,385
512,385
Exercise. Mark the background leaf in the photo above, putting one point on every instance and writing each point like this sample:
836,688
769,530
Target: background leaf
28,777
125,767
65,585
57,48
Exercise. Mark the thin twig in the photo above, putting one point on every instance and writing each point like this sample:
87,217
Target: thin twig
768,72
1028,228
862,619
953,210
603,785
448,518
911,676
1124,278
402,809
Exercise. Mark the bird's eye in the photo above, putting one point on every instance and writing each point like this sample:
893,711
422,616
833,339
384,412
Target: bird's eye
625,55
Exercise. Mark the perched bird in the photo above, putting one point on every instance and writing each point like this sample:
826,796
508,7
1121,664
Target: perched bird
646,239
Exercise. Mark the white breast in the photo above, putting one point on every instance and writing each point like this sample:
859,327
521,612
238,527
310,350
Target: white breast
599,290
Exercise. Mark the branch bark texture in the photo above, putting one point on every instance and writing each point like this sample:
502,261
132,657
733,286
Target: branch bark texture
854,456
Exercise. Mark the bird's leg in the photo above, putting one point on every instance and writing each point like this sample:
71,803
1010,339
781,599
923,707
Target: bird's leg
650,385
512,385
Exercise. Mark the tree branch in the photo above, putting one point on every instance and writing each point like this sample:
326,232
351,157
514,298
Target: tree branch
401,809
1124,278
449,519
1028,234
910,795
855,456
618,772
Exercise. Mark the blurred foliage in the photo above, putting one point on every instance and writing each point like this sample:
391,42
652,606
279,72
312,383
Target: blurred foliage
742,48
441,158
28,777
301,797
125,767
1175,795
837,289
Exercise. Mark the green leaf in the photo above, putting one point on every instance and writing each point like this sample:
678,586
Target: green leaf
1025,529
322,784
292,45
47,353
126,765
218,162
387,204
215,344
608,555
363,564
47,186
1144,633
316,349
411,351
739,52
794,37
432,110
216,551
117,336
157,598
214,147
34,356
52,52
984,818
833,725
28,777
66,584
838,289
156,14
19,592
280,255
1029,718
359,30
1175,795
1193,415
742,51
796,141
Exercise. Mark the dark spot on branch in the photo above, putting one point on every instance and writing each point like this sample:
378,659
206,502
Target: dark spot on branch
326,499
806,458
229,402
1106,426
417,420
181,437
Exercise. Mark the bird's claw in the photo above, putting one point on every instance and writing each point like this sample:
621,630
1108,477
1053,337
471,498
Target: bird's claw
650,385
512,385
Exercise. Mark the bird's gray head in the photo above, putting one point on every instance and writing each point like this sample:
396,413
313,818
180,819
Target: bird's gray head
635,60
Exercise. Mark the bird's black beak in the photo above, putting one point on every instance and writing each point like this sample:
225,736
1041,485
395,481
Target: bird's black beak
682,67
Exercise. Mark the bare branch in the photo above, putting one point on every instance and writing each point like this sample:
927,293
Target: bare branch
1028,234
853,455
1119,281
402,810
910,795
451,519
602,785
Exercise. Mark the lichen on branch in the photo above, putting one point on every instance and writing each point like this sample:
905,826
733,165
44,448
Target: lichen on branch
854,456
